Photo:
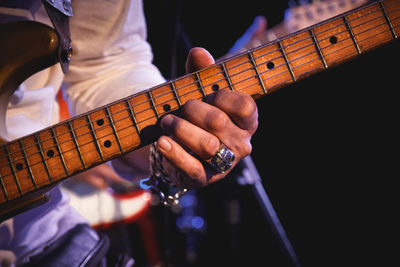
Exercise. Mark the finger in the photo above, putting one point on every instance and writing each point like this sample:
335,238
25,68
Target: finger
217,122
198,58
192,169
201,142
240,107
207,117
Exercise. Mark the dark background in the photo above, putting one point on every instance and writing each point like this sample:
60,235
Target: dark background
325,149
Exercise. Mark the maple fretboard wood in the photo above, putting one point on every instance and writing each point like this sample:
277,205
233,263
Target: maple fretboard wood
55,153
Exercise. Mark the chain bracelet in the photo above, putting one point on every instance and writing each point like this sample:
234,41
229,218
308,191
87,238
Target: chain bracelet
159,181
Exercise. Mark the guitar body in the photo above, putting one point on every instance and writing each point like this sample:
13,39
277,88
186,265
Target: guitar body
105,208
26,48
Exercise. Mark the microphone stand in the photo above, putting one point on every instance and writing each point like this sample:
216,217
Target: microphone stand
250,176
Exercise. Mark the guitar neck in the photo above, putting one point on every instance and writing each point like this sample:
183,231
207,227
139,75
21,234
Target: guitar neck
53,154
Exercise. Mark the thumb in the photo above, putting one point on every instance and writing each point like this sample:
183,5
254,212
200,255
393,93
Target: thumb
198,58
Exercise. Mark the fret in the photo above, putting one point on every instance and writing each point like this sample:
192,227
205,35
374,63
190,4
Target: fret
96,141
213,79
114,130
153,104
200,85
127,134
52,154
370,27
286,60
318,48
9,184
302,55
392,9
13,170
335,41
34,161
175,93
43,158
187,88
132,115
243,75
68,148
256,70
227,76
143,110
165,99
385,14
3,187
76,144
88,144
28,166
272,67
346,22
59,151
21,167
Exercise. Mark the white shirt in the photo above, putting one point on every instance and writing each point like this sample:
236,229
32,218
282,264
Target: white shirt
111,59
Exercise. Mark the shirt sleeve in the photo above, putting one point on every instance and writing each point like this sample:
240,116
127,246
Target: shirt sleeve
111,57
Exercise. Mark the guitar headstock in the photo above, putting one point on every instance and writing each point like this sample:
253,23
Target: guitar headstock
306,13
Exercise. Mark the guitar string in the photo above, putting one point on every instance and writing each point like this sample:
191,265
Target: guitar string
160,104
196,81
32,188
2,183
270,52
197,90
307,38
202,87
189,92
125,137
131,126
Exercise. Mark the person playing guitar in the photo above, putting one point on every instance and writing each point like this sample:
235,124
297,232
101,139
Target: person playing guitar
197,144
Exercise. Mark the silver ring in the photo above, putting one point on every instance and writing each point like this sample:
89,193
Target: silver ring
223,159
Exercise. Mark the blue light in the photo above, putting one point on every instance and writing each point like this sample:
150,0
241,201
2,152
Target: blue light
197,222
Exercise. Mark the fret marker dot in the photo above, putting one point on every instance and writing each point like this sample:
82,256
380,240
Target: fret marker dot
100,122
167,107
107,143
19,166
333,40
50,153
270,65
215,87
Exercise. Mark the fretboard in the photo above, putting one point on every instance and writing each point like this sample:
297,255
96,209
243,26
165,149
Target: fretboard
53,154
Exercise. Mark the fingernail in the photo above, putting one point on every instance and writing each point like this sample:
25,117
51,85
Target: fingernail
164,144
166,122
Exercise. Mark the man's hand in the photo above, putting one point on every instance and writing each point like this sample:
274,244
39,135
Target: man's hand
195,136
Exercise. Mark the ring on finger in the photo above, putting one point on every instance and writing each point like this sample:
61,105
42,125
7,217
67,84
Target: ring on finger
223,159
